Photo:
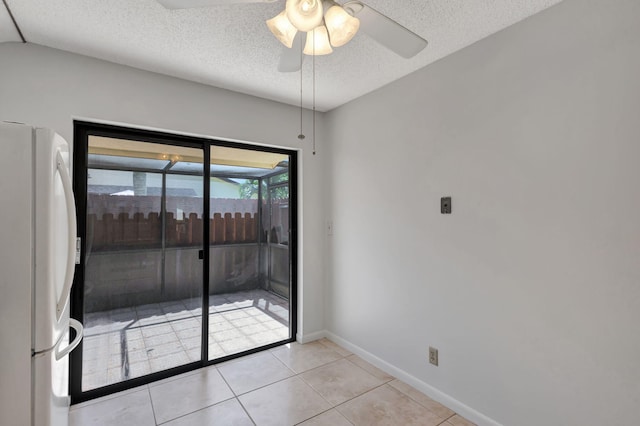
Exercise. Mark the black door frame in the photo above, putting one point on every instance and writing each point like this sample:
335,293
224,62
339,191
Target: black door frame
82,131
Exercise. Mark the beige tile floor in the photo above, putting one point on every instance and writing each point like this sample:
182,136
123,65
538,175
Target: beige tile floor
131,342
318,383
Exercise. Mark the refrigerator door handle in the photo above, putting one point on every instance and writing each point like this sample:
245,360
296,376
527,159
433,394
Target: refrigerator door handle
71,220
77,326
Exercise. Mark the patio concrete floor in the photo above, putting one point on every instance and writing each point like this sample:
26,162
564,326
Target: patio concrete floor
124,343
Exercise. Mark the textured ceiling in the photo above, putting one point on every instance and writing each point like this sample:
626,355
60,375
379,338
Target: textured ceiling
229,46
8,31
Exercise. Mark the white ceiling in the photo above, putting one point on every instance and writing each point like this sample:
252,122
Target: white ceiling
229,46
8,31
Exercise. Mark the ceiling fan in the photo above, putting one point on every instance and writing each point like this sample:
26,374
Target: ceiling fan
320,25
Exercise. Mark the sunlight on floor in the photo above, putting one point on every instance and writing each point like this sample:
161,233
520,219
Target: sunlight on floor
131,342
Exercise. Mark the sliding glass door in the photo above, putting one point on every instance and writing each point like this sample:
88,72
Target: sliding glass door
188,254
244,311
142,277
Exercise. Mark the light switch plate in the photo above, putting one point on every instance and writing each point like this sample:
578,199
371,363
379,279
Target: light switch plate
445,205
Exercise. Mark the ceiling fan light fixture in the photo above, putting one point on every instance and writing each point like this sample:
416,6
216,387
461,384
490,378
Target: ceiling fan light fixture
341,26
318,42
305,15
282,28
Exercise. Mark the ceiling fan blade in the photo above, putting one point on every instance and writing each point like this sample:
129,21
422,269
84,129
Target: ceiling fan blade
187,4
385,30
291,59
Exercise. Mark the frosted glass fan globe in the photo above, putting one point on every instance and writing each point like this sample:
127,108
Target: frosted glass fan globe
282,29
318,42
305,15
342,26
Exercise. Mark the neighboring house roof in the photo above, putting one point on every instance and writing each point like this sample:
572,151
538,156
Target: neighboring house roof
128,190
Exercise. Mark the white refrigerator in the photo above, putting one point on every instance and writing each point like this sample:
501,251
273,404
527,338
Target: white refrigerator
37,263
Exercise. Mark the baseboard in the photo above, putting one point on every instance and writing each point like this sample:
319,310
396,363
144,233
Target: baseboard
310,337
433,393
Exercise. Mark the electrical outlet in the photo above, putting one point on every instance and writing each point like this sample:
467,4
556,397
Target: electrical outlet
433,355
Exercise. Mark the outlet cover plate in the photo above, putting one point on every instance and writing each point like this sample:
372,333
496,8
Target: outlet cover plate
433,356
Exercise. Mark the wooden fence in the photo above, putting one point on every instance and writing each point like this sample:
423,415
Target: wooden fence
110,232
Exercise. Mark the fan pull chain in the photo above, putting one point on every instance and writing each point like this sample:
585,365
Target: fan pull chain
313,82
301,135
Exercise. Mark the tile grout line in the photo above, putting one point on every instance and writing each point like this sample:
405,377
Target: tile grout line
379,386
419,403
263,386
326,411
235,396
335,407
385,383
245,410
153,409
447,419
331,406
199,409
344,357
195,411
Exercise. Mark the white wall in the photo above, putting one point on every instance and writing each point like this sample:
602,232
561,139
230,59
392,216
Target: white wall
531,288
49,88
